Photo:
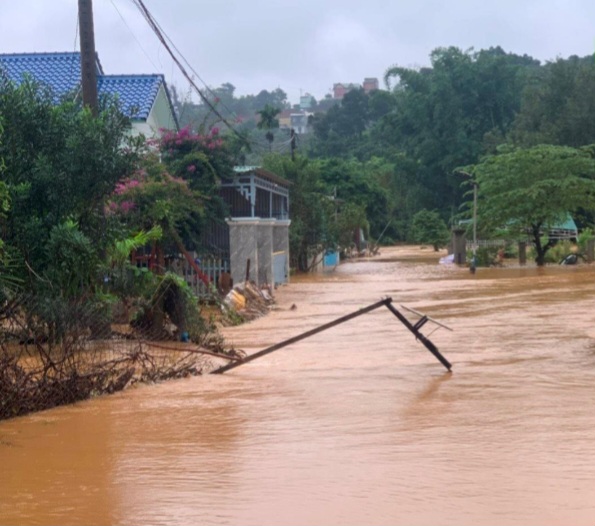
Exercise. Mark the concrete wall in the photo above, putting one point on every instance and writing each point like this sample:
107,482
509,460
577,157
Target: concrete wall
459,244
257,240
264,246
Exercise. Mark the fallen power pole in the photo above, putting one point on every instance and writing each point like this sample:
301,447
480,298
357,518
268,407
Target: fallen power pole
387,302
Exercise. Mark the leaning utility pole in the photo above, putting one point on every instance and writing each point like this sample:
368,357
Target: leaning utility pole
88,57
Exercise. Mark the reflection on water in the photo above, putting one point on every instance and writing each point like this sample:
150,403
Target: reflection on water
356,425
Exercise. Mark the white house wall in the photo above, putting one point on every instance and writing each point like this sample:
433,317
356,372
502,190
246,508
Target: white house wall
160,117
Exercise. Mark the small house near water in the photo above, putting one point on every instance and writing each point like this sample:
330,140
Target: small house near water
253,243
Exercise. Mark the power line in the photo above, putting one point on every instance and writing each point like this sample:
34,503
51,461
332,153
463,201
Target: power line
164,41
188,65
134,36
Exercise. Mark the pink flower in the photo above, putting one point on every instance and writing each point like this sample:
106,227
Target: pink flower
191,168
126,206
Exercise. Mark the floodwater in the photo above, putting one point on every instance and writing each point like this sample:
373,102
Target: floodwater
356,425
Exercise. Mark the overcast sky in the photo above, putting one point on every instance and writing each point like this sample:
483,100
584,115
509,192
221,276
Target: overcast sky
301,45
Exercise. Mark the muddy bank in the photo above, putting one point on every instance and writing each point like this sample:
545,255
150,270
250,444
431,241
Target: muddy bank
82,354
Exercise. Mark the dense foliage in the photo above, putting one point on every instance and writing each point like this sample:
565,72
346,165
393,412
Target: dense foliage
556,181
80,193
60,164
395,153
73,186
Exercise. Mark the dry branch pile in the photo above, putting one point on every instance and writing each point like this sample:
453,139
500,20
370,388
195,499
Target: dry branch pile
51,356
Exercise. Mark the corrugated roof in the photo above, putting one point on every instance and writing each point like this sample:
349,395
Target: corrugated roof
62,73
566,224
262,173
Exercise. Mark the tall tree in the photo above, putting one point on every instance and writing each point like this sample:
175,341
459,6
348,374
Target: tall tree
558,105
61,164
527,191
444,113
268,121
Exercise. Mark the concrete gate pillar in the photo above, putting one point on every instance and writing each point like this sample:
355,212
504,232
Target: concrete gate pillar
459,245
281,240
264,272
522,252
243,246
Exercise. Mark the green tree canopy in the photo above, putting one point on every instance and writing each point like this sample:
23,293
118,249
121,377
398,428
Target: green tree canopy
429,228
61,163
529,190
268,121
311,209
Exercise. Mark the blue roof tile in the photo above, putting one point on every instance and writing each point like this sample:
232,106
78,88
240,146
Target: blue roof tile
136,93
62,73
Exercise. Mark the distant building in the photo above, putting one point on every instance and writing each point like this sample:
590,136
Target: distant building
143,98
307,101
284,119
370,84
299,121
340,89
296,119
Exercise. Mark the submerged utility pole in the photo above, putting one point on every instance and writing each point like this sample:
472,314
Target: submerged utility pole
474,261
88,56
386,302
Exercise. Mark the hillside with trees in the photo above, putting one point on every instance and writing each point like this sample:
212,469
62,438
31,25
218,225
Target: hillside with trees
398,151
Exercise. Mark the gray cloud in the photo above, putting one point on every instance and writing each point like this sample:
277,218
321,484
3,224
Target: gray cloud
306,45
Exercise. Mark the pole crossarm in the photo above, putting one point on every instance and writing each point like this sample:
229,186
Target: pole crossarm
386,302
423,339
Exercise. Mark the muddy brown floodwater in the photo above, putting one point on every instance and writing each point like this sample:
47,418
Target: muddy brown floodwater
356,425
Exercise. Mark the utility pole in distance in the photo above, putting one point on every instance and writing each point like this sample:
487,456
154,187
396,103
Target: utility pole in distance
292,143
88,58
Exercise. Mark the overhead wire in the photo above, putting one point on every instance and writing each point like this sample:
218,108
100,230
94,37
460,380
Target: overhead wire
175,48
164,41
133,35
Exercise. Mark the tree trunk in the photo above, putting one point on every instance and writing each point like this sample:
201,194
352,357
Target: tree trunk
540,250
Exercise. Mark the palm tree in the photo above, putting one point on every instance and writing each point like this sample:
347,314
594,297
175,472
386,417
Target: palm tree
268,121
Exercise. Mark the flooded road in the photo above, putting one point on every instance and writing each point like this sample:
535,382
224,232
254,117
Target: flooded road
356,425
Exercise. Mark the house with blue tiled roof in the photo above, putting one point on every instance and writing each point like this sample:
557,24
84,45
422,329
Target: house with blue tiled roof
143,98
